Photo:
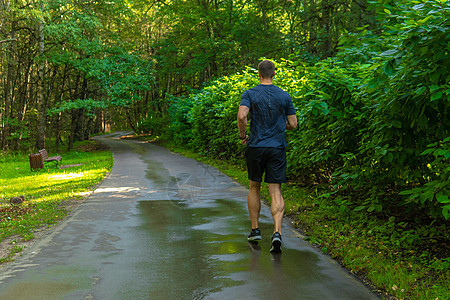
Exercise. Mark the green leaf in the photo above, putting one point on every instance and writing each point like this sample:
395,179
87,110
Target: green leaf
428,151
406,192
443,199
420,90
389,52
390,157
433,88
434,77
446,211
436,96
359,208
388,68
397,124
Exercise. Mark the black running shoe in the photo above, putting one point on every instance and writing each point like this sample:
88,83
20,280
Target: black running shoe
276,243
255,235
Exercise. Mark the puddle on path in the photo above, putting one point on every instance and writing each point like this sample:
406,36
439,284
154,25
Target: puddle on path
202,250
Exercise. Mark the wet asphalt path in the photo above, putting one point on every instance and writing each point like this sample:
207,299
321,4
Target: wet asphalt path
162,226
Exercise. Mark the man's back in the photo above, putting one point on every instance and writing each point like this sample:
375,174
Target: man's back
269,106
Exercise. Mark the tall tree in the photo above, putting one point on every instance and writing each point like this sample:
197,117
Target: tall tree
42,113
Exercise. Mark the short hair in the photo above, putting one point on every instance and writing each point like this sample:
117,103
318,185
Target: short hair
266,69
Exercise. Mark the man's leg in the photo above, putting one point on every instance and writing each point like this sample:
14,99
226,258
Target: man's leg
254,202
277,207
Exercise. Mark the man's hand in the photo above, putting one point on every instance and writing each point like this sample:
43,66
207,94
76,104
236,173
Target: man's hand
245,140
291,122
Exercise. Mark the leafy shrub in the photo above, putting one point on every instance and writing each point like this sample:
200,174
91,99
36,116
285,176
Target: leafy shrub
207,119
179,127
154,125
364,126
406,108
328,111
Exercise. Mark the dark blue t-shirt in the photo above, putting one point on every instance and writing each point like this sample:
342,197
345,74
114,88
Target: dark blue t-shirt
269,107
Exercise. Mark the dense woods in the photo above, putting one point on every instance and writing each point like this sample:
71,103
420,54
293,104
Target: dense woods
71,68
369,80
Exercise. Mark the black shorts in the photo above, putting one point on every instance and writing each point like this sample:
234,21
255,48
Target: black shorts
271,161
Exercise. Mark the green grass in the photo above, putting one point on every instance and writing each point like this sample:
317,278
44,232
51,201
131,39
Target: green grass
49,192
396,262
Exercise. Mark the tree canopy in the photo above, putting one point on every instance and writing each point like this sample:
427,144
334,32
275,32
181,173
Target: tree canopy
67,65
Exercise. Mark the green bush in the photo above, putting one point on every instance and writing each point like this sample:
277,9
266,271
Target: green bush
376,130
207,119
328,110
154,125
406,109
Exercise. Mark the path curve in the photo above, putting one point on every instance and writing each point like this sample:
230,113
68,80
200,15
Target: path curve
162,226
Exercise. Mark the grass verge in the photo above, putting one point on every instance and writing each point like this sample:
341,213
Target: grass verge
395,261
50,193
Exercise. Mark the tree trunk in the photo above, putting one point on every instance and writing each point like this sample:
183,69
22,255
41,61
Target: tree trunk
327,9
230,21
88,129
73,115
72,130
81,124
98,121
129,121
58,139
41,96
78,119
8,90
310,13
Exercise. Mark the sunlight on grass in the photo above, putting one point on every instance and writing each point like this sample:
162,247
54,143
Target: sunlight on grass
82,194
41,185
46,191
66,176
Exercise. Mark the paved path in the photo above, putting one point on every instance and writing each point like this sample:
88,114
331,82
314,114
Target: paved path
162,226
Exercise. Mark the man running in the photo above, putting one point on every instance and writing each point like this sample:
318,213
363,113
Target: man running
271,114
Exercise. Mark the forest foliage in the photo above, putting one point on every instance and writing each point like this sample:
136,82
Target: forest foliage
70,68
373,120
369,80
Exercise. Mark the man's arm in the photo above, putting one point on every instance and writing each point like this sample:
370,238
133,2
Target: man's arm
291,122
242,123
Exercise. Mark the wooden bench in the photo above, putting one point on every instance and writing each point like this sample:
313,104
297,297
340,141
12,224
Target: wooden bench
46,159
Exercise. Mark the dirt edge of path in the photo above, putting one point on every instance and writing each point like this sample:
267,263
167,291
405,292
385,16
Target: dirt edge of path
17,242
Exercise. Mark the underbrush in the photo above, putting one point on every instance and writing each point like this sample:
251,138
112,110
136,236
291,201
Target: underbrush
50,192
407,260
